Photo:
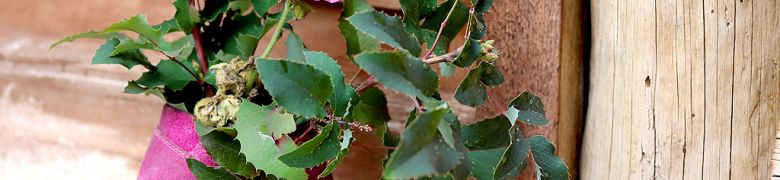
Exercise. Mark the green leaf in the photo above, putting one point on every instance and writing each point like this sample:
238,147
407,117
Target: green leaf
414,10
203,172
169,73
242,45
446,69
90,34
352,7
454,25
551,166
295,48
491,75
127,58
429,37
513,161
529,108
300,9
203,129
240,6
226,152
470,53
186,16
470,91
168,26
262,6
487,134
129,44
314,152
483,162
300,88
385,28
356,41
422,151
133,88
343,93
477,26
400,71
259,148
452,124
345,143
278,124
447,128
140,25
371,108
483,6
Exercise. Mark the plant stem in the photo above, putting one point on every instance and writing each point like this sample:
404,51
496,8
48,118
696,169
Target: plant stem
444,58
441,29
201,53
278,31
274,38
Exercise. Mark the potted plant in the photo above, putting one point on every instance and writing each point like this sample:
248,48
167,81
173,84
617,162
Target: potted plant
234,114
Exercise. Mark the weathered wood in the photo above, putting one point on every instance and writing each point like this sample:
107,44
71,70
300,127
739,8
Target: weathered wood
541,52
572,82
682,90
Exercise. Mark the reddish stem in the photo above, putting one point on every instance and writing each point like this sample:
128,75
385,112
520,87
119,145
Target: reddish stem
202,61
299,138
441,29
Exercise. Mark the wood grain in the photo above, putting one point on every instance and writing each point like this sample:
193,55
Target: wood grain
682,89
541,45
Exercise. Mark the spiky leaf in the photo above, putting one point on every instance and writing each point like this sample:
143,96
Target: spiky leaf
551,167
513,161
400,71
260,149
422,151
385,28
314,152
226,151
300,88
203,172
529,108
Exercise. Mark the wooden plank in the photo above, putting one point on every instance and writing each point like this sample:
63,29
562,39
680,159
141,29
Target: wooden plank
717,129
694,126
572,83
670,99
766,41
596,145
744,132
706,107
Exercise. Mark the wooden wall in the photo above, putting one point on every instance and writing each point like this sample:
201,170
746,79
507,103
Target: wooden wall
682,89
540,43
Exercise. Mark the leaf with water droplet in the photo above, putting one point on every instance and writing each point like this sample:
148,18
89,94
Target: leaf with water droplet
530,109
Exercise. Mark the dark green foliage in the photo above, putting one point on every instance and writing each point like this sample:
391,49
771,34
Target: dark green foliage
315,151
300,88
203,172
268,101
226,151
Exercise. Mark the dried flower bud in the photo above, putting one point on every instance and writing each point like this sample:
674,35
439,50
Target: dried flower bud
489,53
217,111
231,77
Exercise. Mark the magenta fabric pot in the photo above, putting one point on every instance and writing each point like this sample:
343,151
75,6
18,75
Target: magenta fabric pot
173,142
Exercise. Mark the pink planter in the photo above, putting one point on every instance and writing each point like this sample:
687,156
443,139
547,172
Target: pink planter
174,141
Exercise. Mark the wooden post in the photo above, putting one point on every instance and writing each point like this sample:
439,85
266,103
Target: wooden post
682,89
541,45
